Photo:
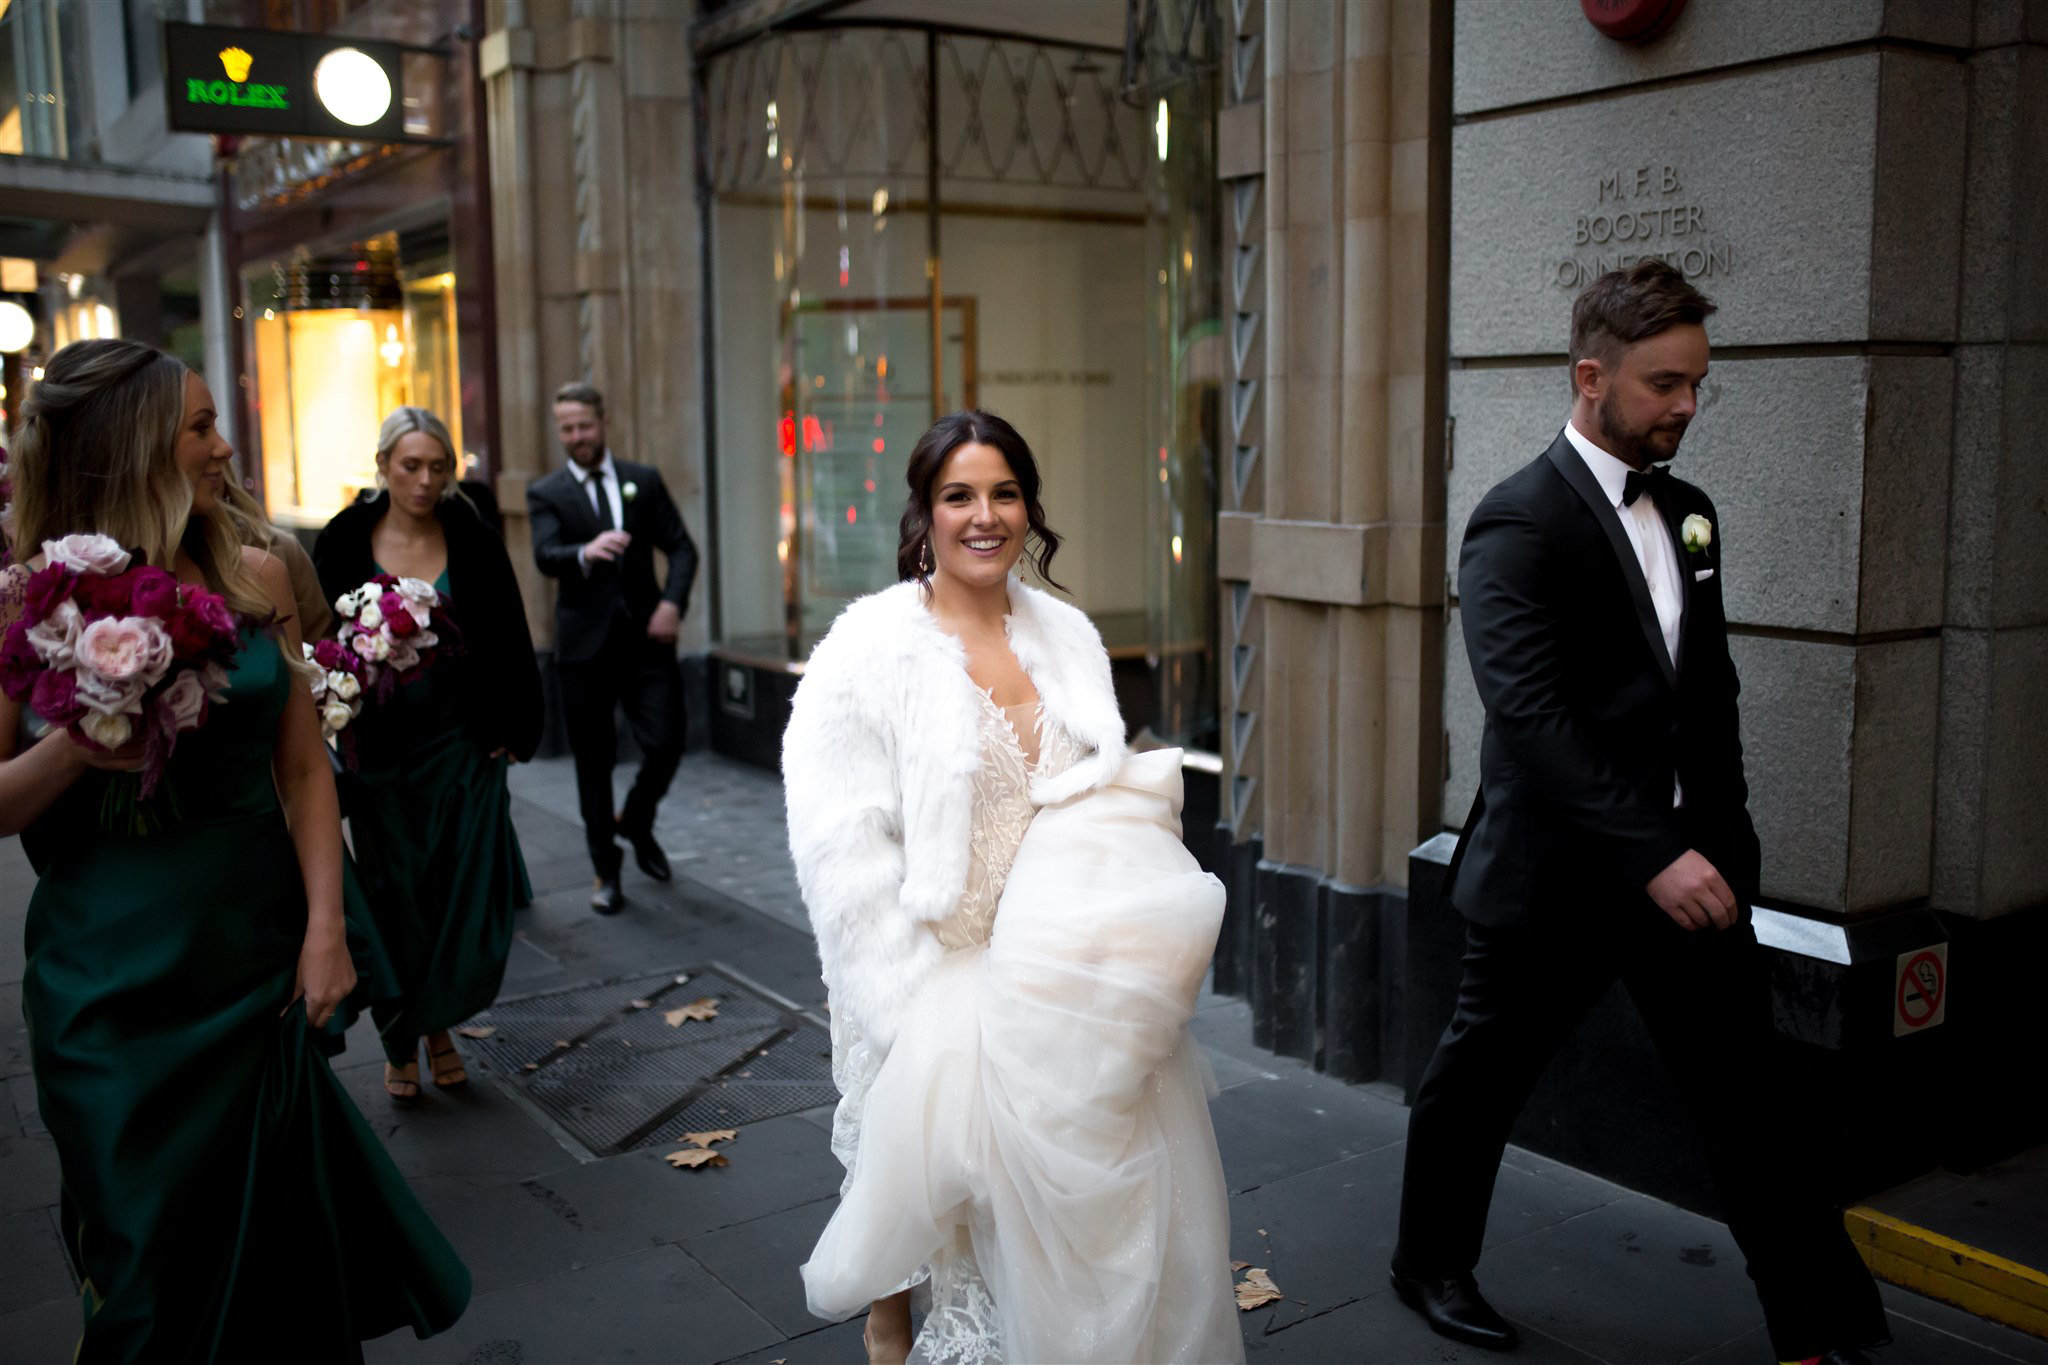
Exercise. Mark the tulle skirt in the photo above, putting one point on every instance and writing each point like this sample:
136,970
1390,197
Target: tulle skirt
1045,1105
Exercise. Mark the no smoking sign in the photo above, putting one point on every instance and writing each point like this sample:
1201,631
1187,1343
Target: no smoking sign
1920,995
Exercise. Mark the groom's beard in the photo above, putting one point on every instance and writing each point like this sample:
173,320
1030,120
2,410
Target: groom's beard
1642,447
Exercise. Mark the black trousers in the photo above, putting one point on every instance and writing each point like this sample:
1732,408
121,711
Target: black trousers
1706,1000
641,677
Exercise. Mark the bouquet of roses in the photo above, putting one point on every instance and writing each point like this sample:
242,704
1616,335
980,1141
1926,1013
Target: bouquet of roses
116,651
392,630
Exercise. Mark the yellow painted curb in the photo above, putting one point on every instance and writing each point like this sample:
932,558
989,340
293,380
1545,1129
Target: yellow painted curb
1942,1268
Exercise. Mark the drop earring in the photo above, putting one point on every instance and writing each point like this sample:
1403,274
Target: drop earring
924,558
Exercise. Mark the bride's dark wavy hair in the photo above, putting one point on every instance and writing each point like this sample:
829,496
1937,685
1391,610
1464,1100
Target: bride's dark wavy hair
948,434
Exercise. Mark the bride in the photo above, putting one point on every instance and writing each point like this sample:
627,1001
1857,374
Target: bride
1013,938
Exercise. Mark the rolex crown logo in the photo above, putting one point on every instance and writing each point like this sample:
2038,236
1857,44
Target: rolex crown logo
235,62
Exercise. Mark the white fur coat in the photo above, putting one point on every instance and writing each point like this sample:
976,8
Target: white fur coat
878,766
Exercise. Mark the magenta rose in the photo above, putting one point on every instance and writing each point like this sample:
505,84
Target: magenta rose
329,655
398,618
153,593
46,588
19,663
189,634
212,608
55,697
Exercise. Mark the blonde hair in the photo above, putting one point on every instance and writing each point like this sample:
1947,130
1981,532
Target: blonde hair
403,422
96,451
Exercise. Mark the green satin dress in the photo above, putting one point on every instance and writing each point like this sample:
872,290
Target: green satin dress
430,818
223,1199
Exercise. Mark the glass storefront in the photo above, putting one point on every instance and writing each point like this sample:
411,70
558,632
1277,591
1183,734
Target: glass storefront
906,221
338,339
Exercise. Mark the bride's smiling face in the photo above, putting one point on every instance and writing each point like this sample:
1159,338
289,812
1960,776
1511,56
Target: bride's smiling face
978,517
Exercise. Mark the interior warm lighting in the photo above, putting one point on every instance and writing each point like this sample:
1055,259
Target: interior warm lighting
881,202
1176,549
393,350
1159,126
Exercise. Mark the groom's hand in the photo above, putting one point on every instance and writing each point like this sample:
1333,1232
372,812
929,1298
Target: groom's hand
1693,893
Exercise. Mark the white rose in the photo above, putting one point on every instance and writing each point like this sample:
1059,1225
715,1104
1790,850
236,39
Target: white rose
421,616
55,637
425,639
185,699
108,731
335,716
345,685
87,554
119,648
418,590
1696,532
373,648
345,605
370,617
403,656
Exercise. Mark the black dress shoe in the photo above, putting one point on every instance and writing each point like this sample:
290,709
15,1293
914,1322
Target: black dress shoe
608,899
648,854
1454,1308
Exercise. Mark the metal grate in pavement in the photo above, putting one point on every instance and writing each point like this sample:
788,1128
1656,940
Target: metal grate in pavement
602,1062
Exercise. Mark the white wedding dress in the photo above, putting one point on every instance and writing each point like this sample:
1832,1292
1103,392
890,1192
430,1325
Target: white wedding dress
1037,1143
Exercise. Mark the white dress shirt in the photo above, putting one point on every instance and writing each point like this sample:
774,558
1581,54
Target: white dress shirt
607,475
1651,538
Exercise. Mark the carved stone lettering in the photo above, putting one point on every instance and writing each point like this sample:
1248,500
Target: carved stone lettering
1622,229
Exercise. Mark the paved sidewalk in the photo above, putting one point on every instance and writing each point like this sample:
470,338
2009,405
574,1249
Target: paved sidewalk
625,1259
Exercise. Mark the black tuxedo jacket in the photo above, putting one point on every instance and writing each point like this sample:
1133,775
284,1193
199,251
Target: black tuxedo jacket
1588,721
622,592
495,663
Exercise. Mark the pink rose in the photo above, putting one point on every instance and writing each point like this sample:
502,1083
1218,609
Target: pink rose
55,637
214,679
123,649
55,697
184,700
87,554
418,591
154,593
105,697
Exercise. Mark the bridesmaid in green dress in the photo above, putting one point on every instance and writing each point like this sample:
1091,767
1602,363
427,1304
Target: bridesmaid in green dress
222,1198
429,814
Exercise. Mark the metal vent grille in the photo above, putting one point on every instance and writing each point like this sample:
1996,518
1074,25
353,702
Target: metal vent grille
614,1076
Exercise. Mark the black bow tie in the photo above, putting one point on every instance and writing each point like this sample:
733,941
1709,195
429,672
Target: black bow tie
1652,481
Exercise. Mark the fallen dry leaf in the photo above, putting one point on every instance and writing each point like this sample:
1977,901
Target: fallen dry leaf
705,1139
695,1156
700,1010
531,1066
476,1030
562,1043
1256,1290
1236,1266
640,1004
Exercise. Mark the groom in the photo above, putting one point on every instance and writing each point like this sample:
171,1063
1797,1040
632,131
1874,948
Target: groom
1610,838
596,525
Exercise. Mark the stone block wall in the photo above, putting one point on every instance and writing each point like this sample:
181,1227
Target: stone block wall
1851,183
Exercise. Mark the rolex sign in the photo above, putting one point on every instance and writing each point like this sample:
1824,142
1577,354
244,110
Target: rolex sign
280,82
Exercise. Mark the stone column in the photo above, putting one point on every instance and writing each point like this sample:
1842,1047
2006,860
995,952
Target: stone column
596,226
1341,539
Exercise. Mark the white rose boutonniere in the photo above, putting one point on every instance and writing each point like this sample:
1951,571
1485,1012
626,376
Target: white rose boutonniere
629,490
1696,532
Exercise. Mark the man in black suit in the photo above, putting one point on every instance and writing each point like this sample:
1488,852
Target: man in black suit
596,525
1610,838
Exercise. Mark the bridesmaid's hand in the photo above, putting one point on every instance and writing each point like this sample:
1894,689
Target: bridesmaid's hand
326,976
126,759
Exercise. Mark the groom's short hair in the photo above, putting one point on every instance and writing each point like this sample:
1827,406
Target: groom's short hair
1624,306
576,391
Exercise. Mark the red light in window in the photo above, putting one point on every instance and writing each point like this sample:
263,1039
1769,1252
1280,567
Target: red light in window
871,485
851,515
788,434
878,445
814,435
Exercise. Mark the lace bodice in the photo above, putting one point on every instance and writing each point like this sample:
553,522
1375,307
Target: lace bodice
1002,810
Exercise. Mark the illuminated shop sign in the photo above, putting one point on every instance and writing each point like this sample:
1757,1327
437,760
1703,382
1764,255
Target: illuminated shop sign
286,84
